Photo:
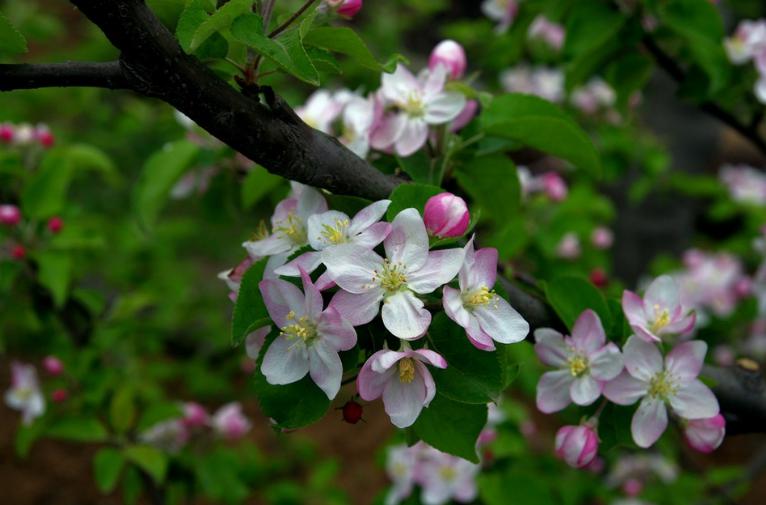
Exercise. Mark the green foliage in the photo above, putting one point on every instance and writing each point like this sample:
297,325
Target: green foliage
11,40
149,459
220,20
407,196
250,311
345,41
451,426
107,465
55,274
541,125
78,429
570,296
493,184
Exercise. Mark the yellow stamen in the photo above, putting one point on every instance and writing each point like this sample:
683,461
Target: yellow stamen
406,370
478,297
336,234
261,232
448,473
293,228
578,365
661,386
414,105
303,328
392,278
661,319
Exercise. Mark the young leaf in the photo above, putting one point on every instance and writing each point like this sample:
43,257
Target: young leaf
250,311
122,411
570,296
11,40
78,429
452,427
160,172
191,19
344,40
149,459
55,274
107,465
493,184
541,125
219,21
405,196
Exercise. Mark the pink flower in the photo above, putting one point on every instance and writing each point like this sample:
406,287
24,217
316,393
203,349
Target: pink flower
446,215
577,445
660,311
595,95
602,237
230,422
748,41
465,116
401,467
585,361
659,385
551,33
450,54
55,224
569,246
309,338
403,381
410,269
7,133
53,365
502,11
233,277
745,184
289,224
328,230
547,83
195,415
446,478
170,435
320,111
705,435
632,487
10,215
44,136
711,282
18,252
417,103
24,394
254,341
554,186
358,119
346,8
486,317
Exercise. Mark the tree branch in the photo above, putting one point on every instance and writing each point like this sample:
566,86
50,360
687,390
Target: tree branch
669,65
27,76
152,63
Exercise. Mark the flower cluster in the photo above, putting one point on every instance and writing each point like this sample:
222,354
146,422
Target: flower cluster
549,183
502,11
547,31
745,184
25,394
24,135
542,81
172,435
442,477
399,117
12,221
749,44
587,366
371,267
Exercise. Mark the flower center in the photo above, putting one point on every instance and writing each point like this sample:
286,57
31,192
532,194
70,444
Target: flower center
406,370
448,473
661,385
478,297
302,328
335,234
414,105
400,470
391,278
24,394
661,319
261,232
578,365
293,228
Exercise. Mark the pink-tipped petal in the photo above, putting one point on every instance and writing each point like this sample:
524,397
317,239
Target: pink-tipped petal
357,309
404,316
553,391
281,298
551,348
606,363
694,400
588,333
625,389
642,359
649,422
686,359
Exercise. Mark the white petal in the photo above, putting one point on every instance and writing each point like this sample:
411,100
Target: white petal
352,267
309,262
281,298
585,390
368,216
444,107
404,315
553,391
501,321
642,359
408,241
551,348
413,136
320,224
372,236
453,306
606,363
686,359
310,202
441,267
357,309
694,400
325,368
336,331
625,389
285,361
273,244
404,401
649,422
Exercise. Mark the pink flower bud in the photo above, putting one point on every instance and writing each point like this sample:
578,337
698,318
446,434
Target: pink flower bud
465,116
705,435
55,224
599,278
59,395
10,215
450,54
53,365
6,133
18,252
346,8
569,247
577,445
554,186
602,237
44,136
230,422
632,487
195,415
446,215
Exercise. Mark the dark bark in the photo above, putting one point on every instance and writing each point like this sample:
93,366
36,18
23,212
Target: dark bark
79,74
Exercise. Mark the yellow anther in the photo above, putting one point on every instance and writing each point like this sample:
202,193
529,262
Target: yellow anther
578,365
293,228
261,232
661,386
391,278
448,473
661,319
477,297
406,370
414,105
302,328
336,234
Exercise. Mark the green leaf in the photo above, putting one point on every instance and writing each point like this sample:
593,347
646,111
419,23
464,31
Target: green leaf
55,274
472,375
122,410
26,435
249,311
591,25
408,195
570,296
344,40
248,29
149,459
452,427
107,465
219,21
158,412
293,405
527,486
78,429
541,125
11,40
160,173
191,19
493,184
257,184
419,166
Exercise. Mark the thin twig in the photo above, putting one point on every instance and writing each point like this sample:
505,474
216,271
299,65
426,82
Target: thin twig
284,26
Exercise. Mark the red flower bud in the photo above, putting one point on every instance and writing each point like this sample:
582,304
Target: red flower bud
599,278
55,224
53,365
60,395
352,412
10,215
18,252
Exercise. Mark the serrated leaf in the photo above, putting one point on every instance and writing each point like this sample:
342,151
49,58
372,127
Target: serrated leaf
107,465
220,20
345,41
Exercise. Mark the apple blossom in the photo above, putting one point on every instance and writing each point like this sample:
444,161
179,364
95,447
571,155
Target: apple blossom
554,186
320,111
710,282
7,133
346,8
233,277
410,269
544,29
745,184
254,341
446,215
602,237
748,41
289,224
53,365
659,385
401,467
465,116
358,118
18,252
486,317
544,82
659,313
230,422
170,435
24,394
309,339
577,445
328,230
595,95
569,246
450,54
502,11
585,361
416,104
10,215
24,134
445,478
632,487
641,467
195,415
705,435
44,136
402,379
